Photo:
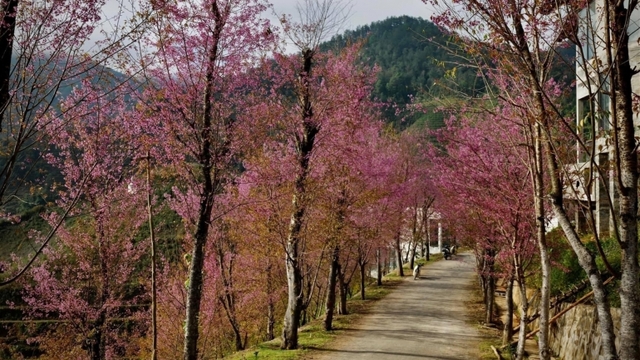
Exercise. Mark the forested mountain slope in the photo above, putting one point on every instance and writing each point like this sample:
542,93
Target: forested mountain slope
414,57
417,60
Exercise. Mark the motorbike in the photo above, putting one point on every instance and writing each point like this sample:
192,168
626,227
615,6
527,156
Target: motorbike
446,252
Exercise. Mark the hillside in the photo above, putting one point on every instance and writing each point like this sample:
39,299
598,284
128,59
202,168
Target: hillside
414,57
417,60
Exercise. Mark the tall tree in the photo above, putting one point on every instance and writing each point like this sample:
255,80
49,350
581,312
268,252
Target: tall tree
45,51
85,279
484,180
202,50
317,20
521,42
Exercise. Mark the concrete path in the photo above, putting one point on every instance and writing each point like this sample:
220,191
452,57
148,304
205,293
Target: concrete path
421,319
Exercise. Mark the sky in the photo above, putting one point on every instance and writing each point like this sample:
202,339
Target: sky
364,12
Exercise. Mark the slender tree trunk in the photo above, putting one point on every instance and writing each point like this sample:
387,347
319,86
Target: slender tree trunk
205,160
491,288
343,290
97,348
294,303
7,32
524,319
154,326
507,333
331,290
228,298
399,253
379,268
587,262
99,338
304,146
545,264
627,160
271,320
239,343
524,307
413,254
362,279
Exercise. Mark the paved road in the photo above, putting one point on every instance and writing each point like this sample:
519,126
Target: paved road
421,319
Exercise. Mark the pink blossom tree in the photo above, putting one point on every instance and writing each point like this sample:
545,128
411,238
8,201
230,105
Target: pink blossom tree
202,50
306,130
520,44
47,48
485,182
85,279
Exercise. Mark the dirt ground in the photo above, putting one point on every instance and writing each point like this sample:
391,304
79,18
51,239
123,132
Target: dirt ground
420,319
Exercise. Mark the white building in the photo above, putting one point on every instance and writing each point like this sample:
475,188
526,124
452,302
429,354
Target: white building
593,186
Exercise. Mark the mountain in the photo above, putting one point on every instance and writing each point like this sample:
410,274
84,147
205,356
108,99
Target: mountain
417,60
414,57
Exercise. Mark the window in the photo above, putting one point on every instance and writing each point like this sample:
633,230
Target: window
588,18
586,108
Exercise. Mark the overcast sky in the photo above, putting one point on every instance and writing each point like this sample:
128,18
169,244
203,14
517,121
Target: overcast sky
367,11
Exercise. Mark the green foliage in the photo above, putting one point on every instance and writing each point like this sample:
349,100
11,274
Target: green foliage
414,56
566,271
15,236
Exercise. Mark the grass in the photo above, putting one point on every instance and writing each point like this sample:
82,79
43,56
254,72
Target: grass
312,336
475,309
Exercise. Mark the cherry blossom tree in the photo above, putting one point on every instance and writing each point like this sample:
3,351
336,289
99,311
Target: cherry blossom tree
485,182
199,73
85,279
520,42
48,48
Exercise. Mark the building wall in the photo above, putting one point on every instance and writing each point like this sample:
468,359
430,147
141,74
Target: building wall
602,185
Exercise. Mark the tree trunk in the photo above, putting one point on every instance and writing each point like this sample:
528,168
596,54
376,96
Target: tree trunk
399,254
362,280
524,318
294,304
490,299
428,233
331,290
627,160
304,146
97,347
194,291
413,254
545,264
524,306
490,284
9,11
587,262
205,160
271,321
238,338
379,268
507,333
154,327
343,290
